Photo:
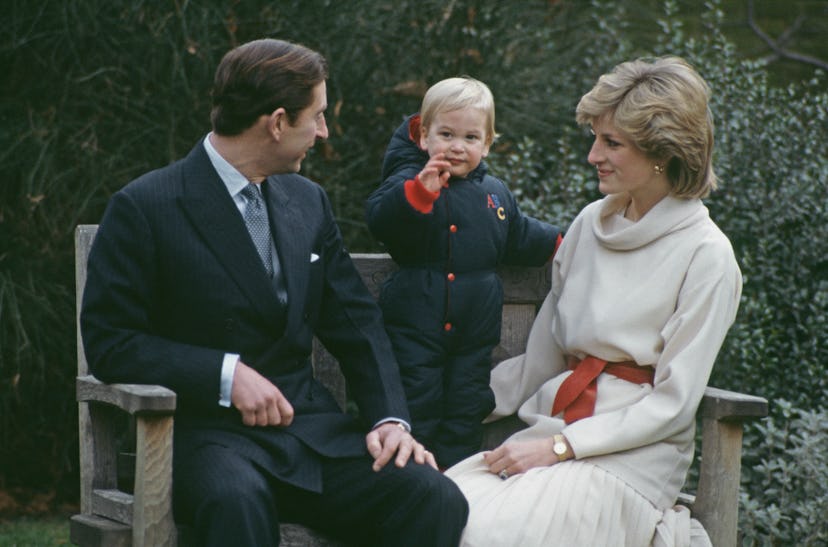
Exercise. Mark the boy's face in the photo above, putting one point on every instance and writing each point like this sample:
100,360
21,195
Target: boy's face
461,136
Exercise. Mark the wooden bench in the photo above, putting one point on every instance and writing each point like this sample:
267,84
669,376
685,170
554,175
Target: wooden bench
140,514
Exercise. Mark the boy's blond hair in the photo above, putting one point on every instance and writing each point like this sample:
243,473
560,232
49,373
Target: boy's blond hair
456,93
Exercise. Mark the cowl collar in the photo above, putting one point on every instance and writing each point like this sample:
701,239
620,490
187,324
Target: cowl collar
669,215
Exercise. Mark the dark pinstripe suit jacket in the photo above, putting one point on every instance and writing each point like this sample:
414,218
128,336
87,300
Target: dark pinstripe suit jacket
174,283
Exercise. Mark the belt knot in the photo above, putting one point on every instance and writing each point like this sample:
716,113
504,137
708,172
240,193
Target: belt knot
577,394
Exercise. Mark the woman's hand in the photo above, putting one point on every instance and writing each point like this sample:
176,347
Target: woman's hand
520,456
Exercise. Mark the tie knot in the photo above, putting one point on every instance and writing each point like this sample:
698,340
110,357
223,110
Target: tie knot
252,193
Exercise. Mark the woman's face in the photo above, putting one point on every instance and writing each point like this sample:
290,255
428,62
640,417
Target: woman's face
622,166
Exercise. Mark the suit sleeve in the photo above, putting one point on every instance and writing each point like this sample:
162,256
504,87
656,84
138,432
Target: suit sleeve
351,328
116,315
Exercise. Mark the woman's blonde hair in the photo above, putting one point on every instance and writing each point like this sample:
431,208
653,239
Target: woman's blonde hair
456,93
662,105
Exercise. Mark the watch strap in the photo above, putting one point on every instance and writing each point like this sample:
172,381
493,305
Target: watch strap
560,447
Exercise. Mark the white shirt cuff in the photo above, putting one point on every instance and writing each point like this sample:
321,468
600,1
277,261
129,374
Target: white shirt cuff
228,368
405,424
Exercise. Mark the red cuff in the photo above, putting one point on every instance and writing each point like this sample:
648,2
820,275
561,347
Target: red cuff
414,129
557,244
418,196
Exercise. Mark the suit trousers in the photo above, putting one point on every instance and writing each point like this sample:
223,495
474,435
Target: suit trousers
228,500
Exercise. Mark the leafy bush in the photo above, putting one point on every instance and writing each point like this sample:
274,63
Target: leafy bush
784,496
83,112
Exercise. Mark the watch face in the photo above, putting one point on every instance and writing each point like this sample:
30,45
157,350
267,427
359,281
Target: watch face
559,447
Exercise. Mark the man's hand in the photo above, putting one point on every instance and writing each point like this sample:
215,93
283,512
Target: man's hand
388,439
435,174
258,400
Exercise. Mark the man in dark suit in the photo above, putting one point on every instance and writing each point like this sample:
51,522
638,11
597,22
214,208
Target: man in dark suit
185,291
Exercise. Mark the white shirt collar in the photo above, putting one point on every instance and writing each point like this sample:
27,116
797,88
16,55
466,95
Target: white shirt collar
230,176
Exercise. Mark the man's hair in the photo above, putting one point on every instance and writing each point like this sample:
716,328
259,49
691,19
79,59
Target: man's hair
260,76
662,106
456,93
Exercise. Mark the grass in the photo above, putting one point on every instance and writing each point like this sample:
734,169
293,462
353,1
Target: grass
49,531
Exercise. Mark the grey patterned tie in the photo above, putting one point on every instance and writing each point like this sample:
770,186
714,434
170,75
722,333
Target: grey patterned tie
255,216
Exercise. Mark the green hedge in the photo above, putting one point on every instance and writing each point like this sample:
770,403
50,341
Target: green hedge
784,496
97,92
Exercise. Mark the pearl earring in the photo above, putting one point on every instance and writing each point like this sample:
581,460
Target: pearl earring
659,169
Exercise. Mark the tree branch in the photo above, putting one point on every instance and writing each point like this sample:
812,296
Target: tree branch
775,45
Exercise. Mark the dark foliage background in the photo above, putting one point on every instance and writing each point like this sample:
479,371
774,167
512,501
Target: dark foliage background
96,92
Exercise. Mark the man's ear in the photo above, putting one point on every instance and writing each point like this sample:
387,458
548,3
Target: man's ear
276,123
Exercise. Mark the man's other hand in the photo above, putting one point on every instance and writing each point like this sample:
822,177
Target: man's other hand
388,439
259,401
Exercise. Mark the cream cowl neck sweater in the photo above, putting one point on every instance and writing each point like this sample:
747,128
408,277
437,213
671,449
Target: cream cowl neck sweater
661,291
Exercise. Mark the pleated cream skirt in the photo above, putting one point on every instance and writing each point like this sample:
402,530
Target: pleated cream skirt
572,504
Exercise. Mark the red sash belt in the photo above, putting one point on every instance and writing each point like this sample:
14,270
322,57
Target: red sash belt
577,394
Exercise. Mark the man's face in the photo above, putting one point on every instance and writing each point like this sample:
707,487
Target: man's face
302,134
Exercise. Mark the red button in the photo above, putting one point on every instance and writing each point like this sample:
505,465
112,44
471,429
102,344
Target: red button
450,277
453,228
447,326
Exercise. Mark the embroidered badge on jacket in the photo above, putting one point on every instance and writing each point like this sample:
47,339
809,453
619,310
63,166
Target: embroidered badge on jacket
493,202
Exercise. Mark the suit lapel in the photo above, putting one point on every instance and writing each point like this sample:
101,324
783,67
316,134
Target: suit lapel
292,243
216,218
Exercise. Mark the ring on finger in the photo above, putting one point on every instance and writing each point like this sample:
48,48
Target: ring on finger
503,475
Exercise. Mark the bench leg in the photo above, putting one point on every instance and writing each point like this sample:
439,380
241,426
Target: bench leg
717,502
153,523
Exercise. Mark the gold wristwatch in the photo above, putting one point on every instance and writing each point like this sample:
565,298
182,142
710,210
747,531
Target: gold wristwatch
560,448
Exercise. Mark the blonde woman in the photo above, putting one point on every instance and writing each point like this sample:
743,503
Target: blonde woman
644,289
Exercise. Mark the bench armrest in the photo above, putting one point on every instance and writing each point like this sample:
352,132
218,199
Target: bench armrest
136,399
148,510
724,405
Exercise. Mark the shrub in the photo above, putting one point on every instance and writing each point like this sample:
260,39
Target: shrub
83,112
784,496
